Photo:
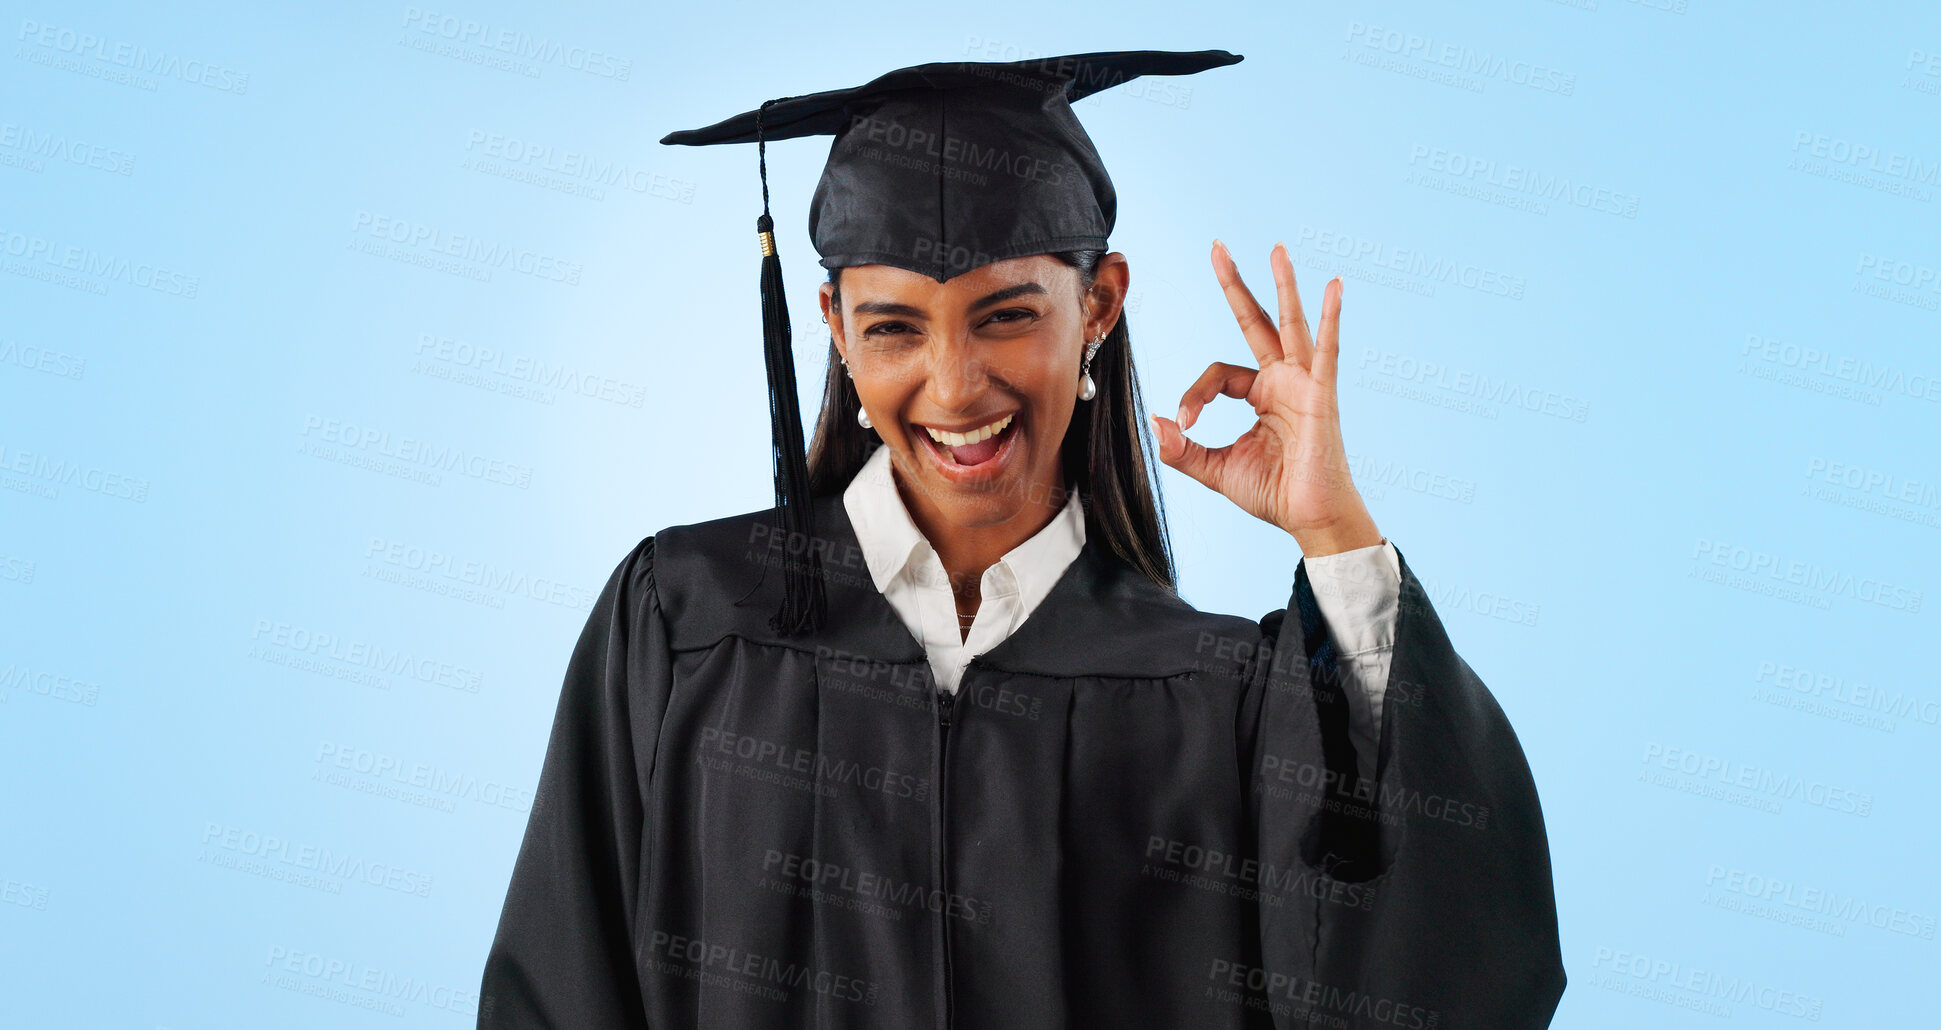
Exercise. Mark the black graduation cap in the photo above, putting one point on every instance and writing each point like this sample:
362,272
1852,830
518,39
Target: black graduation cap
937,168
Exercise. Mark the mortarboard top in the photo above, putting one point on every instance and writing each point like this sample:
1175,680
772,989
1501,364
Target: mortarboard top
939,169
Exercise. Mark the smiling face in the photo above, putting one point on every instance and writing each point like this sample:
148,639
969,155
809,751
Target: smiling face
995,348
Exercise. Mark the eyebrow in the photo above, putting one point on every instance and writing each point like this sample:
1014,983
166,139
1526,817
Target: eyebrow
885,307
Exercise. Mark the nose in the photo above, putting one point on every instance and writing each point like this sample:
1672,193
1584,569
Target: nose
957,375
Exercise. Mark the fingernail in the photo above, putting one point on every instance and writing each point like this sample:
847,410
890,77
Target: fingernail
1217,243
1180,416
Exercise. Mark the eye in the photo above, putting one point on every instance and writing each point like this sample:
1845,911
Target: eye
1015,315
887,329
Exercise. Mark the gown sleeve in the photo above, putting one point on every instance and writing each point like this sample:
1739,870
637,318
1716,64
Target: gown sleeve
1357,592
563,955
1435,906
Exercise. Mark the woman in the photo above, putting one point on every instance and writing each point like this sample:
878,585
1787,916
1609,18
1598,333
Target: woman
1074,800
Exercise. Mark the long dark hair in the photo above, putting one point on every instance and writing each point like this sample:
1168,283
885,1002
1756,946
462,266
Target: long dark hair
1106,449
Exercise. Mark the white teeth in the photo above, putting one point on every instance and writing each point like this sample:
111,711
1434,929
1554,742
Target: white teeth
960,439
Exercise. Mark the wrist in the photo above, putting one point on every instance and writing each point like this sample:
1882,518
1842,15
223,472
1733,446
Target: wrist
1347,535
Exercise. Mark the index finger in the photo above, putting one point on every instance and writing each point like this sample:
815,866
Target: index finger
1262,336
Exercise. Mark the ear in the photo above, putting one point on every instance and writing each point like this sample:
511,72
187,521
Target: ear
1107,297
833,316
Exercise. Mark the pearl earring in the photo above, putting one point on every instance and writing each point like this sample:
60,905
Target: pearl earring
1086,388
862,417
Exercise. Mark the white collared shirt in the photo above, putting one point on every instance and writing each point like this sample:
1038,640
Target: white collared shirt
908,572
1356,591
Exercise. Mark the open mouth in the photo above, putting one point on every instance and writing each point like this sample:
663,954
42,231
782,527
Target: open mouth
964,451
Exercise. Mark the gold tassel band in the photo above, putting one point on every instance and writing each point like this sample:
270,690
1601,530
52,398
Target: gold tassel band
768,243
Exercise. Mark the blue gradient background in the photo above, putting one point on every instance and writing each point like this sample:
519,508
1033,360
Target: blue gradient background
174,529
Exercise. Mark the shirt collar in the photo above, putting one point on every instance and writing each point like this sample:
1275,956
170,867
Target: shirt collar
891,541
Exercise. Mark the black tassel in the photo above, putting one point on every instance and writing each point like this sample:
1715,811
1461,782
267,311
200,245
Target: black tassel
803,599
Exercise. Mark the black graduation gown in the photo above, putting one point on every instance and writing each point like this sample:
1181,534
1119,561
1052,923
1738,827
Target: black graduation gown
1132,814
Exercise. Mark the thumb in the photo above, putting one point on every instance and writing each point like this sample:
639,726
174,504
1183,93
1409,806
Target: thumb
1181,453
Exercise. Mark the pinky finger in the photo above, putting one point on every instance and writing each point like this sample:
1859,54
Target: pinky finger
1327,344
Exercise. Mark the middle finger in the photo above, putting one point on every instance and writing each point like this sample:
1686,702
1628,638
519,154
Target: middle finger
1262,338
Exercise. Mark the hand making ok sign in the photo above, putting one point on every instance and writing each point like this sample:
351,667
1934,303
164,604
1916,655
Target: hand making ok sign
1291,468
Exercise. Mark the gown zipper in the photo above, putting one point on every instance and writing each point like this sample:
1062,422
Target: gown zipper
946,702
